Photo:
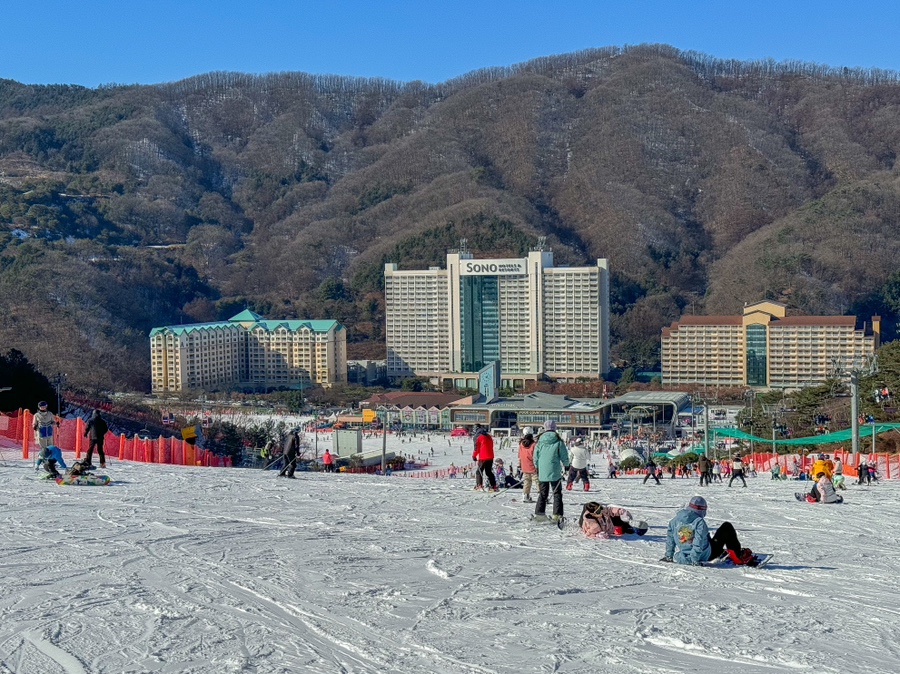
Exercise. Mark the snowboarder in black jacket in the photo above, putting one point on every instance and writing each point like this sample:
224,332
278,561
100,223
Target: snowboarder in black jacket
651,471
96,431
291,449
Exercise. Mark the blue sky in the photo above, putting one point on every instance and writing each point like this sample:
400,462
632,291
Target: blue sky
92,42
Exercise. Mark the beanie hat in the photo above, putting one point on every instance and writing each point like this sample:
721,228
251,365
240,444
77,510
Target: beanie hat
549,425
43,403
528,431
698,503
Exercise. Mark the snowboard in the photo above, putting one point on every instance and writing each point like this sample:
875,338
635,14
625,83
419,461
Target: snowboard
88,480
759,559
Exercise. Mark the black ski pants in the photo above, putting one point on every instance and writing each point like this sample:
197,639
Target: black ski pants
544,495
726,538
290,464
626,526
486,467
652,474
737,474
576,474
98,444
705,476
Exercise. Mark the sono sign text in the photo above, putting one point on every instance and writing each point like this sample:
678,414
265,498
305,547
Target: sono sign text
493,267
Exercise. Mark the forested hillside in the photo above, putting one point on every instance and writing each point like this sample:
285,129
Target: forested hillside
706,183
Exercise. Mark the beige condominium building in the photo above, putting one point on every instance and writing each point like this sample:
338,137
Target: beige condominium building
537,320
248,351
764,347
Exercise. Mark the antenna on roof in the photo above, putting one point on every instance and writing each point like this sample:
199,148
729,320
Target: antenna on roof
542,243
463,245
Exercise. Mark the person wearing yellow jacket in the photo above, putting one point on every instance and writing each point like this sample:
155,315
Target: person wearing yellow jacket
822,465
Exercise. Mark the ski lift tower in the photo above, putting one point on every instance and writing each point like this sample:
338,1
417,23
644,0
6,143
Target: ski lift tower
704,398
854,368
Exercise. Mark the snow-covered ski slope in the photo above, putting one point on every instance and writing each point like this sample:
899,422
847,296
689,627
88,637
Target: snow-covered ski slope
175,569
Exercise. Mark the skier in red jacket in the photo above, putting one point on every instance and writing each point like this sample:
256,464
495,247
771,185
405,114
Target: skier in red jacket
484,456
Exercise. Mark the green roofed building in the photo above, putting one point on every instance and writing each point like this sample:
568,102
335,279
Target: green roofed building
248,351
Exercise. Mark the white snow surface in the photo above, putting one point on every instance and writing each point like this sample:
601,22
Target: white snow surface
183,569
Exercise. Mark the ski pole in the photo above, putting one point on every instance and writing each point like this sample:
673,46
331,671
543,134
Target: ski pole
273,462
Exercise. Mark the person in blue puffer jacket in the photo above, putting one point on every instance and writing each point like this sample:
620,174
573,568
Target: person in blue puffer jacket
688,540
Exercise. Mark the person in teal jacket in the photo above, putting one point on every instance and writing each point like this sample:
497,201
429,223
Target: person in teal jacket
550,459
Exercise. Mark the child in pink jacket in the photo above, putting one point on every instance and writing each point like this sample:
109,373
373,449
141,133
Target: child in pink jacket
602,521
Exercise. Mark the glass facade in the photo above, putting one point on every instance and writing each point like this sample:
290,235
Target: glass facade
479,321
756,355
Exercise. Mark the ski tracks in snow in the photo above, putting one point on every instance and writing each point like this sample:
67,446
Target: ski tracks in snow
183,570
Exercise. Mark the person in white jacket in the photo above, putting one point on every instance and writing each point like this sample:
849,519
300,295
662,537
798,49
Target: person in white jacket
580,455
44,424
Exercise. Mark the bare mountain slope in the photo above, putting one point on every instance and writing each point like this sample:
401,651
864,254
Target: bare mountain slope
705,182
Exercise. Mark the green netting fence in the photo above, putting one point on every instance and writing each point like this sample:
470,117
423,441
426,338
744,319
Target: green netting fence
865,431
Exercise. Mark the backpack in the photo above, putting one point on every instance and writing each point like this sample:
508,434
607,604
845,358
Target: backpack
77,469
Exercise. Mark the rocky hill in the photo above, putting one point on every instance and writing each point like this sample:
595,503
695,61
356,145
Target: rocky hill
707,183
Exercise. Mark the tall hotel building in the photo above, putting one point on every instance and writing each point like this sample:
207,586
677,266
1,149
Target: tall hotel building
247,351
535,319
763,348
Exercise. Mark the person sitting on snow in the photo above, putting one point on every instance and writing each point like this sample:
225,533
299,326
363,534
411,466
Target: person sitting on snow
688,540
500,471
602,521
823,491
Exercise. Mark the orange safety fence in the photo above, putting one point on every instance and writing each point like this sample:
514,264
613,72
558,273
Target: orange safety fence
888,465
453,472
69,437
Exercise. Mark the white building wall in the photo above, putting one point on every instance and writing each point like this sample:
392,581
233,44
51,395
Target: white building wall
574,343
516,320
223,356
552,320
416,316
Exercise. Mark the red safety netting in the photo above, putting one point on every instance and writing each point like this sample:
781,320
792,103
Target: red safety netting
69,437
11,426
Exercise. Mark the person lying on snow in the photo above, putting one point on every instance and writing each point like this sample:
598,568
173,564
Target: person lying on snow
602,521
688,540
79,468
823,491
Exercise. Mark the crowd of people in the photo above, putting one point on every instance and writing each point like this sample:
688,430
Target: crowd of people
550,465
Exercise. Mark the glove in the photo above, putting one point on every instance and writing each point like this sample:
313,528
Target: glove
666,559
